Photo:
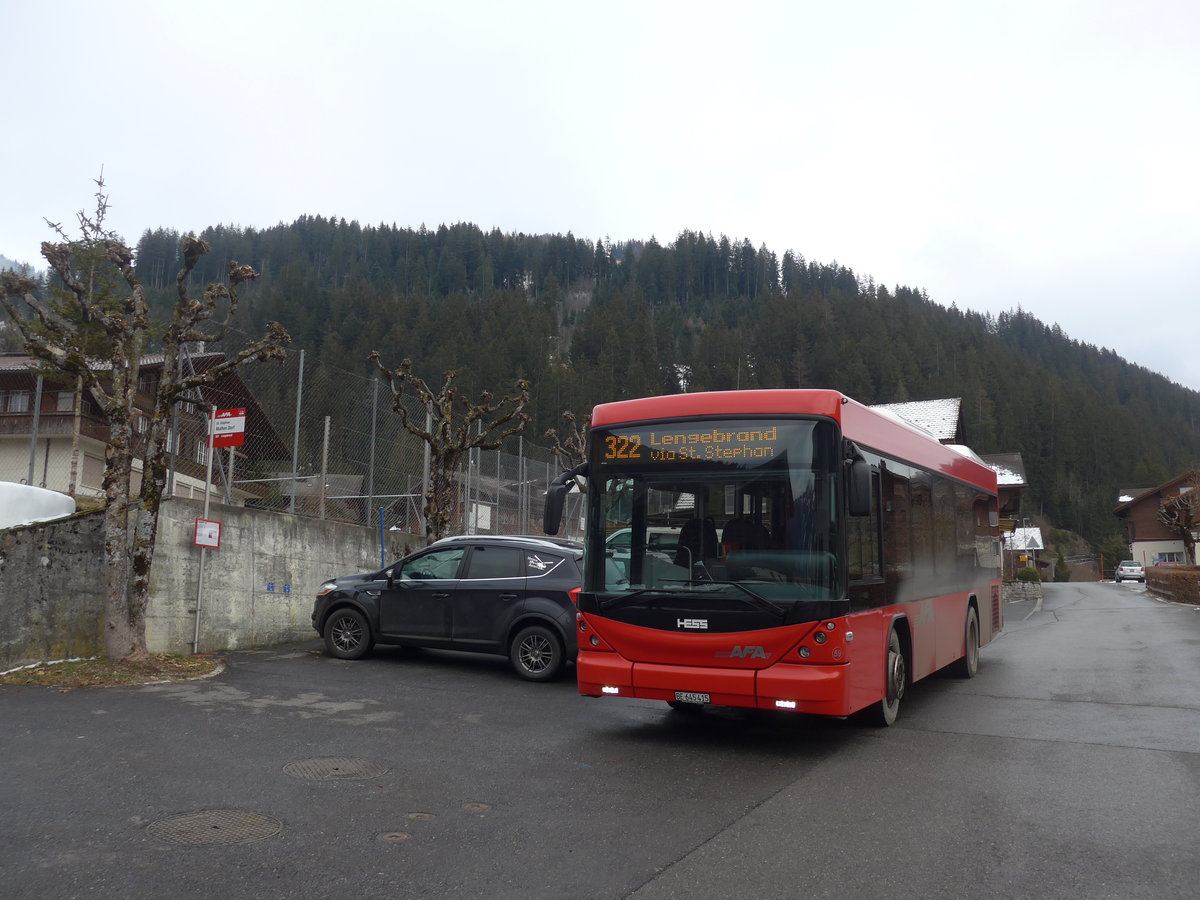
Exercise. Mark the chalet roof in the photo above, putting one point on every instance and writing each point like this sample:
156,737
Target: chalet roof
15,362
20,362
1163,492
1009,468
1024,539
1125,495
939,417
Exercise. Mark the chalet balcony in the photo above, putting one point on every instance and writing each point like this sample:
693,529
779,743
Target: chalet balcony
51,424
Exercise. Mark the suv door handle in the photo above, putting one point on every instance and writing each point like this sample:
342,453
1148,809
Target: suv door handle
508,596
440,596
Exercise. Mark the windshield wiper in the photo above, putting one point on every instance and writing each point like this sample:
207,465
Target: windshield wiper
700,586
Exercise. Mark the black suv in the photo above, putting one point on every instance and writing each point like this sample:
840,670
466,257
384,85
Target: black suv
514,596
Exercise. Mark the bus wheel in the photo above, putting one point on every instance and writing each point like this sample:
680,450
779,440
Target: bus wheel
895,676
969,664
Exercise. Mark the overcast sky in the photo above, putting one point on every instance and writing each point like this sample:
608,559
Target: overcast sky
1045,153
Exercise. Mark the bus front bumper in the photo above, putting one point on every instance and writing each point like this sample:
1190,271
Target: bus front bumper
816,689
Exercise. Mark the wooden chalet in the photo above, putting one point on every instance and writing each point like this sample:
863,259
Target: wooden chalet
62,436
1150,541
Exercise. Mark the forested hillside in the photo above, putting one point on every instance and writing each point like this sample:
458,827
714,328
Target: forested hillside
591,322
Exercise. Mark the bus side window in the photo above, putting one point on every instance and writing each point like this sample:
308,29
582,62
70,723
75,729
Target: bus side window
863,539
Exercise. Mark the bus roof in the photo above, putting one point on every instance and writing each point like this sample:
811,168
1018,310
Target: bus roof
875,430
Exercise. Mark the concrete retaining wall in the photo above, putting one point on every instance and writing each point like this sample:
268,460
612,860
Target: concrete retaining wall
258,587
51,604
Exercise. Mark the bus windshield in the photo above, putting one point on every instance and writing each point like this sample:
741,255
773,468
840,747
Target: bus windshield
736,514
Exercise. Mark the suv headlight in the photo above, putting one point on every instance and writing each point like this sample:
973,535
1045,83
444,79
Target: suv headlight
326,588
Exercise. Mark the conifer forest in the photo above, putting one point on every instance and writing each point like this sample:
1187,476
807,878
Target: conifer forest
587,322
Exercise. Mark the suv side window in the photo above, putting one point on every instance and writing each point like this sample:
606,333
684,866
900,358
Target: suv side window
539,563
438,565
495,562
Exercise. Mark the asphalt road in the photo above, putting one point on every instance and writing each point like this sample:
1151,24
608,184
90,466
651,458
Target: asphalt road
1070,767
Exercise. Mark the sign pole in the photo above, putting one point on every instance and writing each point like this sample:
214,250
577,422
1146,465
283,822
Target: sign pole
212,420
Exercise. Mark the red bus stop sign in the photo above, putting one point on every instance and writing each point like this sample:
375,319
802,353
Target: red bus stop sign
229,428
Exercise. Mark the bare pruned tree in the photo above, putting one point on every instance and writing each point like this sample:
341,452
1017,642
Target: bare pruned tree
96,327
453,426
569,448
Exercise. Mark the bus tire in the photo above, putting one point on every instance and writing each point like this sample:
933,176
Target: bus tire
968,666
895,677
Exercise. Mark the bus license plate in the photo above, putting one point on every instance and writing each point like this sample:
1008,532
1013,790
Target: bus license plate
689,697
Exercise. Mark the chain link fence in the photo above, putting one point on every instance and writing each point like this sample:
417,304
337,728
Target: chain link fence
316,440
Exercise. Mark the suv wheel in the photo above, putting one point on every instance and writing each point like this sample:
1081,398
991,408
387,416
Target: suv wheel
536,653
348,634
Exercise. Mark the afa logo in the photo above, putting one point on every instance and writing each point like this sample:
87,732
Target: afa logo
747,652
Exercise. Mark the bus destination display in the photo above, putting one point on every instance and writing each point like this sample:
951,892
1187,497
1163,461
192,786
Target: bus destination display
711,443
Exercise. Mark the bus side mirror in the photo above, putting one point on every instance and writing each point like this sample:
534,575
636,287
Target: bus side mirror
859,488
556,496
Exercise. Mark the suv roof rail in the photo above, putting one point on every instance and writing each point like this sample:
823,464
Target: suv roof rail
560,543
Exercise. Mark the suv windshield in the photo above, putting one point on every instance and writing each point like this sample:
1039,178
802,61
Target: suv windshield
735,514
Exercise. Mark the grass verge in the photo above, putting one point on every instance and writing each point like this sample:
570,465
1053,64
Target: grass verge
81,673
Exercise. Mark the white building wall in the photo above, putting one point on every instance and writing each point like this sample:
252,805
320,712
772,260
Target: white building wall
52,468
1145,552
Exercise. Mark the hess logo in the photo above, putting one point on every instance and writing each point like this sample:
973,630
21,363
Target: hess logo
739,652
692,624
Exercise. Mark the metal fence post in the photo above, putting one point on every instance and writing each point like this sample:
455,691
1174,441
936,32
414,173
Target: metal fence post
33,429
296,435
324,469
425,467
371,463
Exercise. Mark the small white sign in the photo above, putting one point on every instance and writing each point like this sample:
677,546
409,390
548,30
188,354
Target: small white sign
228,421
481,517
208,534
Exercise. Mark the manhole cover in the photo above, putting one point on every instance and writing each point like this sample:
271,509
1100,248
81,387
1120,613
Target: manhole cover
216,827
331,768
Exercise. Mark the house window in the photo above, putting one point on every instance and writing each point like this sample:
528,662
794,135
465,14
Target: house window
139,424
202,451
17,402
66,401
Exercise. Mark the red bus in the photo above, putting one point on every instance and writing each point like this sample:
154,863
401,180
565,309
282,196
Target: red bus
780,549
